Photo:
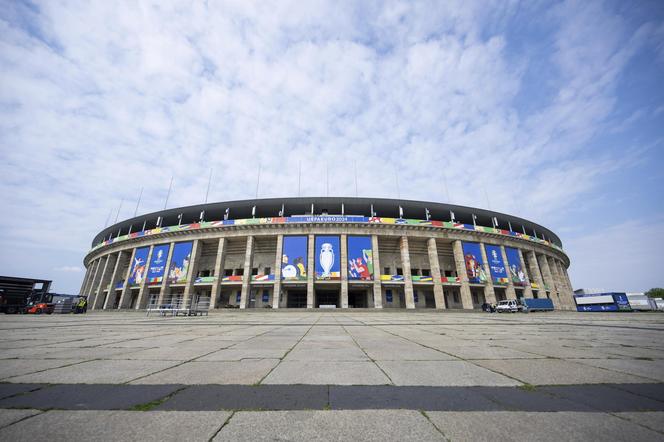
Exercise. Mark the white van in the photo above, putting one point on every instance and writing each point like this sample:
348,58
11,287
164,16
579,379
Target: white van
509,306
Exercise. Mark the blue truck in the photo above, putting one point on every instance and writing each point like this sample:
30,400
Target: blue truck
603,302
535,305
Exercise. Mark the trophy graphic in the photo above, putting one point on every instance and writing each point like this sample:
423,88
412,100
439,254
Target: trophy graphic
326,259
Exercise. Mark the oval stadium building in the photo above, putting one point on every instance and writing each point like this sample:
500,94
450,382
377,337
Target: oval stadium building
324,253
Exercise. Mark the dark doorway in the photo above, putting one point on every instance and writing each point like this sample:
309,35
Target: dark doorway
296,298
134,297
429,300
500,294
357,299
327,297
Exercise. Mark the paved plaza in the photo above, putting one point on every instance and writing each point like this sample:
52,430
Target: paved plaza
339,375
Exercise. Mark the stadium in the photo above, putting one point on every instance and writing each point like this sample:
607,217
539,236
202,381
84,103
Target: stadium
325,253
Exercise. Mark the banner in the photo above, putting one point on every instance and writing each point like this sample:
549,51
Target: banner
177,271
327,255
294,258
496,264
360,258
139,265
472,256
517,272
158,263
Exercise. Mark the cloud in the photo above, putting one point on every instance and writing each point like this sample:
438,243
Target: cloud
73,269
98,102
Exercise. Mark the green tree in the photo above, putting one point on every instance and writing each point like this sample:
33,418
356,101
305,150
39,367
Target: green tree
656,292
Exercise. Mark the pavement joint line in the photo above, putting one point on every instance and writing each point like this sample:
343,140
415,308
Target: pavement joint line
616,414
39,413
612,370
367,355
222,426
46,369
426,416
617,387
288,351
470,361
157,402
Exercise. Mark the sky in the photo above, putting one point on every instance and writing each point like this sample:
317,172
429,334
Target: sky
551,111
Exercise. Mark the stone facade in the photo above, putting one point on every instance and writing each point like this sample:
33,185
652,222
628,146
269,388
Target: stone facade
413,251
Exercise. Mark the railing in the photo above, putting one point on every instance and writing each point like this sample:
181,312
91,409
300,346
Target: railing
177,306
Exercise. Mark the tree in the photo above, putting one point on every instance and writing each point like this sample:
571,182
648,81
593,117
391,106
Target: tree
656,292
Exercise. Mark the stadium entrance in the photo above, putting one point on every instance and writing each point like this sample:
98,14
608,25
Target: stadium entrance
327,297
358,298
296,298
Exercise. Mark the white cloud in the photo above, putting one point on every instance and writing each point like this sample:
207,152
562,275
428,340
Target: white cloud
73,269
97,101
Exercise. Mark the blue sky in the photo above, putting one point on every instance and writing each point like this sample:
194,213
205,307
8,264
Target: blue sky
555,108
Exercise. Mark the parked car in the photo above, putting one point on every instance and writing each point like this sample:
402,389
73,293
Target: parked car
509,306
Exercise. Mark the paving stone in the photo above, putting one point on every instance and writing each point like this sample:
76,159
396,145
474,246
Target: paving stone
89,397
529,426
96,372
652,391
653,419
650,369
604,398
247,371
443,373
361,397
70,426
327,373
249,397
17,367
8,417
356,425
326,354
234,354
556,371
7,390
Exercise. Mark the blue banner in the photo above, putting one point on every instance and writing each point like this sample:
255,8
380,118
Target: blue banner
517,272
294,258
472,256
177,271
327,255
360,258
139,266
496,265
158,263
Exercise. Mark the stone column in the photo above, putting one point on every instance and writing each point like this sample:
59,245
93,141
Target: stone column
344,271
407,277
218,270
434,264
311,270
489,293
93,281
192,271
112,293
246,276
546,273
559,300
509,291
460,263
535,270
377,289
144,290
124,295
94,265
527,289
165,283
276,291
567,285
103,283
85,279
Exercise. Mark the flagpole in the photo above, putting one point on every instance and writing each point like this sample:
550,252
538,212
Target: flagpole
170,186
138,202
